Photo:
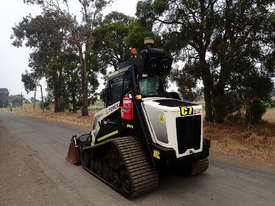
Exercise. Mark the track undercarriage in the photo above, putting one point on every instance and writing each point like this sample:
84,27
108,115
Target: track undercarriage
122,164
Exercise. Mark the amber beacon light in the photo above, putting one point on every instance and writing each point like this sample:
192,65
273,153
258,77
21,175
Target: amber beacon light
134,51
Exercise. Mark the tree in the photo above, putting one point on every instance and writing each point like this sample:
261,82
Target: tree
145,15
252,87
213,36
46,34
242,42
115,17
190,25
82,38
110,43
29,81
116,36
80,33
72,80
4,97
111,40
16,100
186,82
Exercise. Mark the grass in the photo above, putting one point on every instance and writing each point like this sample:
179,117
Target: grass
96,107
256,143
67,117
269,115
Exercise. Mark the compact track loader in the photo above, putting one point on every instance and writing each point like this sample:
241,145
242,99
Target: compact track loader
143,129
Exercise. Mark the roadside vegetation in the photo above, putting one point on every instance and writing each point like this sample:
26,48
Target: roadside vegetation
67,117
236,139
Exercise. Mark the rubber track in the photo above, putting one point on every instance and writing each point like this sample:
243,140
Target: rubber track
143,177
199,166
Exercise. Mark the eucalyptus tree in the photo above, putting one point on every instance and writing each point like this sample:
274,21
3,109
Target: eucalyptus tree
80,33
213,36
115,37
240,49
189,26
46,35
29,81
111,39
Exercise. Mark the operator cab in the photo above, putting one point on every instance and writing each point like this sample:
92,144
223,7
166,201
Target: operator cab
141,75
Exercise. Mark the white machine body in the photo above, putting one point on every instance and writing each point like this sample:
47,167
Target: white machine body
175,126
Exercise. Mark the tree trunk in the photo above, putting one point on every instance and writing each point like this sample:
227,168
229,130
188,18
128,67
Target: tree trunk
208,103
59,104
74,101
219,107
83,64
61,91
208,88
58,98
220,110
56,103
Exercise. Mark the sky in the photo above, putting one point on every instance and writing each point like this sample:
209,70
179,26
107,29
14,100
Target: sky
14,61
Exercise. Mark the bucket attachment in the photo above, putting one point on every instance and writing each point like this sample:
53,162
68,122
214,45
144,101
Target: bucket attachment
73,155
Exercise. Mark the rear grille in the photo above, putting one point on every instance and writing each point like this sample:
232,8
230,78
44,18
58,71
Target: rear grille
188,132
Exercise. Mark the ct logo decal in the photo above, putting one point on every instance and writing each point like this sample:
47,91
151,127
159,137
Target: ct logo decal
162,118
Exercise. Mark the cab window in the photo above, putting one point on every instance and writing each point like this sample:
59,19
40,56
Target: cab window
150,86
117,87
114,90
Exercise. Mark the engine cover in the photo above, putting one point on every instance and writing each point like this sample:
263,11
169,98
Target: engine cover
175,124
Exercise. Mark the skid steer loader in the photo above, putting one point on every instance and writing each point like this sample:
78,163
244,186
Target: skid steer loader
143,129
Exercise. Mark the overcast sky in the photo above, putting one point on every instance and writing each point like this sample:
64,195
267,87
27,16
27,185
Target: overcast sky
14,61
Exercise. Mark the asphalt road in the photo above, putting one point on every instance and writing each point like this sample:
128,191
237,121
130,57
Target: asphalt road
33,171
